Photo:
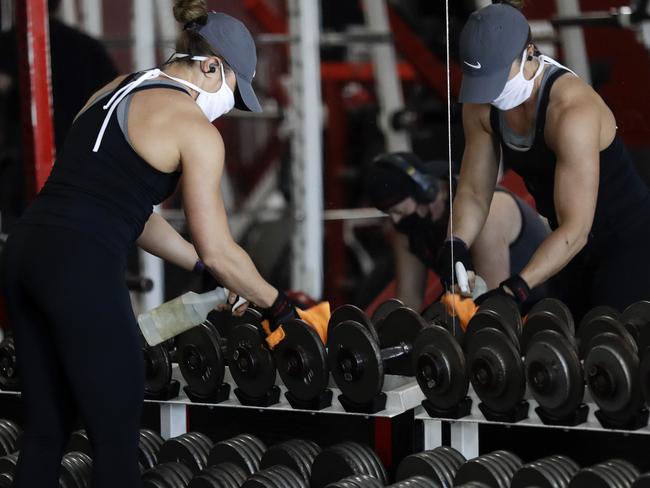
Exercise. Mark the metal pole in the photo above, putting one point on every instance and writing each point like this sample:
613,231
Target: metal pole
93,18
573,41
144,57
306,117
32,27
389,89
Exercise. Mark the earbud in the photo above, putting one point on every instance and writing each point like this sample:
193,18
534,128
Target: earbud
213,68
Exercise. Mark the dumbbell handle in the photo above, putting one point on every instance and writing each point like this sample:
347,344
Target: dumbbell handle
395,352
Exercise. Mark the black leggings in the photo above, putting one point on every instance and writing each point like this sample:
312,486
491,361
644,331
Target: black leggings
78,351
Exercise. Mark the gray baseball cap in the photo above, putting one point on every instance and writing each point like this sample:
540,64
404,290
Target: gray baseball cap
231,39
492,39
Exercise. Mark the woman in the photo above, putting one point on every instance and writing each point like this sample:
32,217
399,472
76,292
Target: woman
76,337
558,134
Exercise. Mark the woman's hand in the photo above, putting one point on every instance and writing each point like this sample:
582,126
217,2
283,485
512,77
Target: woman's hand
233,299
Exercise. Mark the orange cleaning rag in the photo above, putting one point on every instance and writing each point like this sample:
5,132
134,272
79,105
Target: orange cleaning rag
317,317
463,308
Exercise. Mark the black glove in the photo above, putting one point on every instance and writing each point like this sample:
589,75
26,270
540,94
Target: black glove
444,266
282,310
514,287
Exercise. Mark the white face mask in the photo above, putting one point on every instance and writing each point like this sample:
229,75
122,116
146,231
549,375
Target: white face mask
518,89
213,104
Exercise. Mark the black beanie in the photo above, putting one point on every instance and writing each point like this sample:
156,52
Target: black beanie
388,186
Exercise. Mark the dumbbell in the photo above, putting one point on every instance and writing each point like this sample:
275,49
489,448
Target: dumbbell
611,363
297,454
549,472
9,372
495,469
413,482
191,449
224,475
357,481
438,465
642,481
275,477
8,469
76,470
346,459
244,450
9,435
167,475
615,473
494,360
358,362
553,369
251,362
158,383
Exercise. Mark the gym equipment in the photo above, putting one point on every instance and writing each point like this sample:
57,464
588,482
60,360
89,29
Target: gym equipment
438,465
437,314
297,454
357,362
9,373
76,469
148,448
191,449
611,364
9,434
167,475
357,481
414,482
276,477
346,459
495,469
158,382
549,472
441,372
7,470
201,354
494,362
642,481
613,473
251,362
548,314
382,311
301,359
244,450
556,379
224,475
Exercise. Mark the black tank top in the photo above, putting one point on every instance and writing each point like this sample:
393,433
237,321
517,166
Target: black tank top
108,194
622,195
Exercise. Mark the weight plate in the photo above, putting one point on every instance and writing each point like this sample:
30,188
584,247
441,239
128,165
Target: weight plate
154,437
354,459
625,468
301,360
642,481
507,309
67,477
181,449
498,469
598,325
251,362
295,480
554,374
459,459
621,479
644,375
346,313
605,310
12,427
252,459
383,310
256,444
442,466
355,362
203,442
555,479
200,359
611,478
475,470
7,443
375,466
8,463
146,456
440,368
283,454
401,327
229,452
612,372
636,319
9,373
157,367
496,370
331,465
487,317
557,308
449,464
79,442
564,465
436,314
543,321
420,464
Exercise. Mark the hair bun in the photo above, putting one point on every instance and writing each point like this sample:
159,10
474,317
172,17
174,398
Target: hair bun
189,11
518,4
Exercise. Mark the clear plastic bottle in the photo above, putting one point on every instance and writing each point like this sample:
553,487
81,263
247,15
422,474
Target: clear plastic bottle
178,315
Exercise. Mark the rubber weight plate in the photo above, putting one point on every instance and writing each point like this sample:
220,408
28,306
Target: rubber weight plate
496,370
369,458
157,367
183,449
200,359
332,465
292,453
636,319
230,452
422,464
355,362
611,369
255,443
9,373
7,440
251,362
147,457
346,313
301,360
401,326
476,470
495,313
436,314
644,375
440,368
554,374
383,310
248,451
79,442
542,321
557,308
597,325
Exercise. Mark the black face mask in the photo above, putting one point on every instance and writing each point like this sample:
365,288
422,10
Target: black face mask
425,236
